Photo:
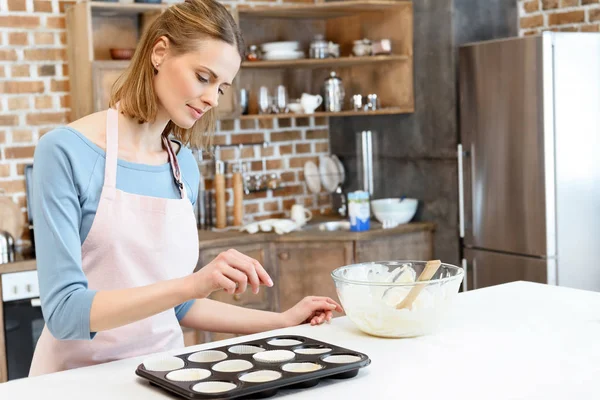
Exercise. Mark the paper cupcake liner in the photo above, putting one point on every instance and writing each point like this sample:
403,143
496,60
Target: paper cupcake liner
341,359
207,356
260,376
274,356
284,342
301,367
162,363
245,349
232,366
213,387
188,375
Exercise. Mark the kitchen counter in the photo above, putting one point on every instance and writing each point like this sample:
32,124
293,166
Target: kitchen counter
515,341
231,237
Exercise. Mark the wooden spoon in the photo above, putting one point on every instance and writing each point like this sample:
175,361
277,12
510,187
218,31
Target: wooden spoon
430,269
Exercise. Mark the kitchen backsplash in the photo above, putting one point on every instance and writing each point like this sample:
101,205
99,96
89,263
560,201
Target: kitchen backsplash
559,15
34,87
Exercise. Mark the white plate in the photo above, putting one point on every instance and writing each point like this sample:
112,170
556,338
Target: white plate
330,174
283,55
311,176
283,46
340,168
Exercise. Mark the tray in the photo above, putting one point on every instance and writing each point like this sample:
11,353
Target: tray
230,367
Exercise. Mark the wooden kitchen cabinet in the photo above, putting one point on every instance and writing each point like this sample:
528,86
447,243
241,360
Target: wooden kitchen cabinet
305,269
409,246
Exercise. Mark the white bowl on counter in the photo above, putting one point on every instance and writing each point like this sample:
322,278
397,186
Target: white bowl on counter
394,211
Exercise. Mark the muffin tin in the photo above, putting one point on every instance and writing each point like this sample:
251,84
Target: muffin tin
254,369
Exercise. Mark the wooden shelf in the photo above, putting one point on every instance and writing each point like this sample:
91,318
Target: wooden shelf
117,8
326,62
319,10
383,111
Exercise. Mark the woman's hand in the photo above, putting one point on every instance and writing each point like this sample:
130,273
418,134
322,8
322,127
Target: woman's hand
231,271
313,309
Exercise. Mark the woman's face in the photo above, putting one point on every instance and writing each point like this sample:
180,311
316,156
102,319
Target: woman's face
190,84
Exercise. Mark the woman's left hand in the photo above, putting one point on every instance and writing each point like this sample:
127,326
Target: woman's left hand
313,309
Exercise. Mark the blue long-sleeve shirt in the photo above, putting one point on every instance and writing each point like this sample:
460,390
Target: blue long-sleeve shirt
67,182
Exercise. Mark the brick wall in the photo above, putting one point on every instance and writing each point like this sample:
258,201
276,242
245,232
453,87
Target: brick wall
559,15
34,98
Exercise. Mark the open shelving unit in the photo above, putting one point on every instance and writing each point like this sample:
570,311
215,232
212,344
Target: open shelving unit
94,27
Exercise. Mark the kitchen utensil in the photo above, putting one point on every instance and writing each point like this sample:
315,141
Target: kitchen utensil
382,46
275,367
394,211
310,102
300,215
283,55
311,176
334,93
238,195
360,288
361,48
296,107
430,269
280,46
340,167
253,54
364,148
220,194
372,102
121,53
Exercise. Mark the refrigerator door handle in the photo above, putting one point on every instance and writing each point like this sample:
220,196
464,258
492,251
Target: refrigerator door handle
461,191
465,266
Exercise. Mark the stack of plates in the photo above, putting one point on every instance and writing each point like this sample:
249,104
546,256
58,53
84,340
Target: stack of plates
281,51
330,174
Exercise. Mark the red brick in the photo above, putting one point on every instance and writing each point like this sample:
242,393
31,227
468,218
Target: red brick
46,70
227,125
271,206
2,71
586,2
287,149
299,162
247,152
251,208
14,21
247,138
594,14
19,152
19,71
531,6
529,33
4,168
18,38
8,55
265,123
590,28
302,121
42,6
274,164
549,4
55,22
267,151
46,118
288,176
569,3
59,86
569,17
284,122
9,120
65,70
14,87
43,37
18,103
285,136
321,121
13,186
17,5
302,148
65,101
321,147
63,5
45,54
43,102
248,124
317,134
22,136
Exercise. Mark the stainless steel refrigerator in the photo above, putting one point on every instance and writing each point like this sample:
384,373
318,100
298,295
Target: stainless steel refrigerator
529,160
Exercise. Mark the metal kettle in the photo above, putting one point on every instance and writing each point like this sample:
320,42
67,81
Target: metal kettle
334,93
7,248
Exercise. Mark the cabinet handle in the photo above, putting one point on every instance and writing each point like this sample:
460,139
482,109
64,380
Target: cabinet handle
284,256
237,297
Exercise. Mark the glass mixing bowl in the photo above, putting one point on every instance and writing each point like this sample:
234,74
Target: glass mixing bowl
369,293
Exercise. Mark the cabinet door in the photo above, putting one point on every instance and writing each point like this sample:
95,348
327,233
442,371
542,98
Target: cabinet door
407,246
266,299
305,269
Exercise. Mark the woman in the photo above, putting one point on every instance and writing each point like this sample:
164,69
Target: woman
116,237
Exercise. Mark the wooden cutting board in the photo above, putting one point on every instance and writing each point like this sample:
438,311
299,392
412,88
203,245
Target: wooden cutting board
11,218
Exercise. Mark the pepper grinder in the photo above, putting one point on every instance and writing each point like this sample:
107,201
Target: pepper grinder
220,194
238,195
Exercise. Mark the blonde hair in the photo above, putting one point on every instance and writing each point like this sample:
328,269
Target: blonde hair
183,24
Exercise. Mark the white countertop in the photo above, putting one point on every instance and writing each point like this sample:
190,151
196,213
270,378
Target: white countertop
514,341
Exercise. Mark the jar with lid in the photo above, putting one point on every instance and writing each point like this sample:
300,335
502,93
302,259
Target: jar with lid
252,54
334,93
319,48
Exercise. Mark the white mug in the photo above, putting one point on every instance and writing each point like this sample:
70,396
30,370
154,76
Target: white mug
300,215
310,102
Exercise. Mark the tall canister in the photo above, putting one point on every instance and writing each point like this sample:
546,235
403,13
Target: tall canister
359,211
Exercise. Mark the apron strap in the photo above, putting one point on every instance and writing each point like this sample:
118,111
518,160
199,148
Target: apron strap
112,148
174,167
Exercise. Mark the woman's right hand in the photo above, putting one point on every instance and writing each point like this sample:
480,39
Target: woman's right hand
231,271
